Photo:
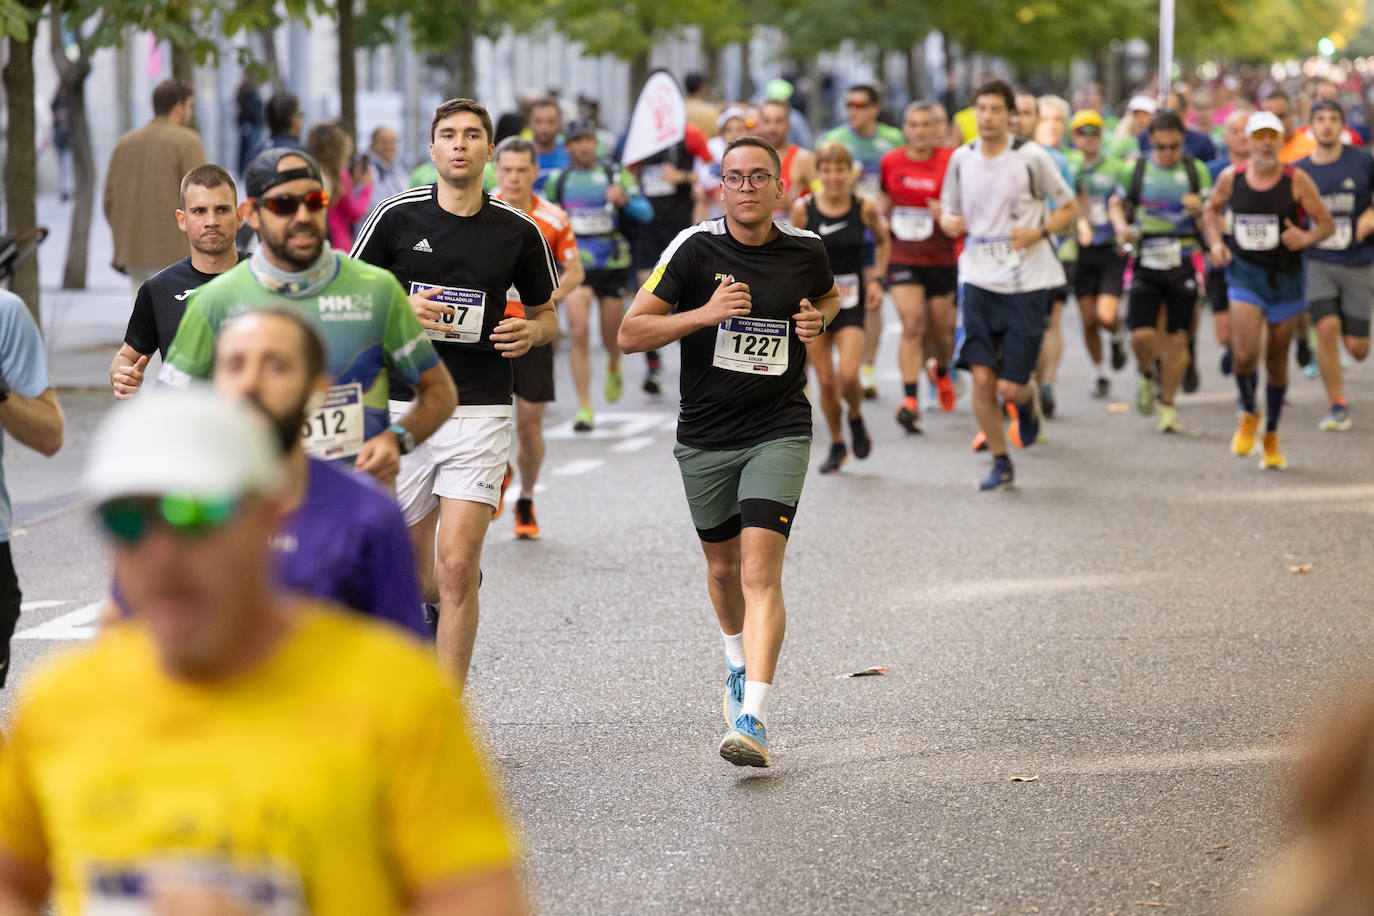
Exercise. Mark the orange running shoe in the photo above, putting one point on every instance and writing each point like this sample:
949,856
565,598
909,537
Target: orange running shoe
526,527
505,482
1243,442
980,441
943,386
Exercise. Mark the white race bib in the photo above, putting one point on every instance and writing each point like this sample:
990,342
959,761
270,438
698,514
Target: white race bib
1161,254
653,184
754,345
912,224
592,221
1097,212
1340,239
868,186
994,253
333,425
469,309
848,286
1257,231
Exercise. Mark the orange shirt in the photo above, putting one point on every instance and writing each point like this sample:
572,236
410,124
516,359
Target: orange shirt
1297,147
553,222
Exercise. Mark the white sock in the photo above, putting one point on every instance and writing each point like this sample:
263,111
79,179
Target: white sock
756,699
734,649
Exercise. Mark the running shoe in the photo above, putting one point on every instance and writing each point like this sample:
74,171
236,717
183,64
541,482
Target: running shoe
1225,361
1103,389
1000,477
1190,379
733,704
1304,351
909,416
1023,431
431,612
835,459
1273,459
944,387
863,442
1337,421
1243,442
505,482
980,441
582,423
868,380
1047,400
1311,370
526,527
746,743
651,381
1118,353
615,384
1144,395
1168,418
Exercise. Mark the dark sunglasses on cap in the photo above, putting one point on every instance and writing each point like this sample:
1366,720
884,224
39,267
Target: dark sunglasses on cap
288,204
1089,130
129,519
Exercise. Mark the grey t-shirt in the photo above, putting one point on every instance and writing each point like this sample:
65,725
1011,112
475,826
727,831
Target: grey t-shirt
24,367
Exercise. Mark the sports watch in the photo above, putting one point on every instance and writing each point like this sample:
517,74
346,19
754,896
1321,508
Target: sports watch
405,437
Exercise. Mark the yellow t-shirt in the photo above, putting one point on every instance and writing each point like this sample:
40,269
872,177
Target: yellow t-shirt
336,777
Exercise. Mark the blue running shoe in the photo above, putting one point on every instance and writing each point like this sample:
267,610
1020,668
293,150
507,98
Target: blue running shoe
1000,477
746,744
733,703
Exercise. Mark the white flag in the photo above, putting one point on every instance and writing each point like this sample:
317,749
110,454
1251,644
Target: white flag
659,119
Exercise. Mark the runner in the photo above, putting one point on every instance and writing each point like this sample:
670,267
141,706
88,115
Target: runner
1156,212
209,216
839,218
744,295
516,167
597,197
1237,145
798,165
1297,144
1340,269
371,335
922,276
996,190
450,243
1265,278
867,140
1098,278
265,753
546,126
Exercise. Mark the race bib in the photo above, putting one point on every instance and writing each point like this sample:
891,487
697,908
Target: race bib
334,424
994,253
848,285
912,224
1097,212
868,186
1340,239
590,221
1161,254
469,309
149,888
754,345
653,184
1256,231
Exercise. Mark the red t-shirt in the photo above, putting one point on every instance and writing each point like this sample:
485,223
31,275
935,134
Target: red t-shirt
913,187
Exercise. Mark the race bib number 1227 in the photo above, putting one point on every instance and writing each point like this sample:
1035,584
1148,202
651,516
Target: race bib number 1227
754,345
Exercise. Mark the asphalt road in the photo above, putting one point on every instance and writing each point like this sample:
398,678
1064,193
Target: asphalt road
1124,627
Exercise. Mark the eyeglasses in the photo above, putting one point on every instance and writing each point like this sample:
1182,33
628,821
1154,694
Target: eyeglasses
858,105
288,204
757,180
1166,147
129,520
1089,131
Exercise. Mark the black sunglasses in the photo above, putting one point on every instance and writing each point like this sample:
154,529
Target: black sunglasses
288,204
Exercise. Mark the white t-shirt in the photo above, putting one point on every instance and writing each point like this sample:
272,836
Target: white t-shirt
996,195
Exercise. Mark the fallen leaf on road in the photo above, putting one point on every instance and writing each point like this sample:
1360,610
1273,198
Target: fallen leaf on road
1155,884
1151,903
1306,567
1118,407
867,672
1221,845
1023,779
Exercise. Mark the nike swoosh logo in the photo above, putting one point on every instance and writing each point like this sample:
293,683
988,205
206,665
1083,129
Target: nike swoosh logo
828,228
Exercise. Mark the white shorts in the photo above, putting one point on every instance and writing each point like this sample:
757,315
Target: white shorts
464,459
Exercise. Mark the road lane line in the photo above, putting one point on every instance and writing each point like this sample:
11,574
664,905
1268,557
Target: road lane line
77,624
1033,585
633,445
580,466
1286,494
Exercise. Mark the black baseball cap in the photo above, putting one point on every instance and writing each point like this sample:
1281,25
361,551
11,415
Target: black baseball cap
579,128
264,173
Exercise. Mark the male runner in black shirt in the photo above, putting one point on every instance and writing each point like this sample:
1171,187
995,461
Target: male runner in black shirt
457,251
744,296
209,217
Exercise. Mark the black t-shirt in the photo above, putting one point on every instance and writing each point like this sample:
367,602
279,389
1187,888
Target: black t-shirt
672,203
479,258
732,408
159,305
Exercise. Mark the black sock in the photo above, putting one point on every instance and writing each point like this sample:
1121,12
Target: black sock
941,372
911,388
1247,384
1273,401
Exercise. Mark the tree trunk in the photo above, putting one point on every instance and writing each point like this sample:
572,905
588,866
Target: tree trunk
21,165
916,72
467,52
73,75
270,60
746,77
639,72
184,69
348,68
710,53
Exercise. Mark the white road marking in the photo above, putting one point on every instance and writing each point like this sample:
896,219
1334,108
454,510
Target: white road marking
1033,585
1352,492
636,444
77,624
610,424
580,466
40,605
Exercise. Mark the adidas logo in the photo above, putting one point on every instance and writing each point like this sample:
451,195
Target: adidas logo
423,245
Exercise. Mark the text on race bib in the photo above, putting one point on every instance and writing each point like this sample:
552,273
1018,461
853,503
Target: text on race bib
591,221
333,425
992,253
757,346
1340,239
469,306
1256,231
1097,212
848,287
1161,254
868,186
653,184
912,224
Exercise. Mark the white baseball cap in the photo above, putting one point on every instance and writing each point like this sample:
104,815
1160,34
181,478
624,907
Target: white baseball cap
1264,120
188,441
1143,103
734,111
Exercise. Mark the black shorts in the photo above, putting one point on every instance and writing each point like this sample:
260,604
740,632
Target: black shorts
534,374
1215,286
1101,271
852,317
607,282
1175,290
1002,331
10,599
938,280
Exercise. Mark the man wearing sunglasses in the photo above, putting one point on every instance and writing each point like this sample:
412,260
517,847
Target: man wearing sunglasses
371,335
1101,266
744,295
234,728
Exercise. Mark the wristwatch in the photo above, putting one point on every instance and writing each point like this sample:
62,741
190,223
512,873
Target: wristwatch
1044,233
4,391
405,437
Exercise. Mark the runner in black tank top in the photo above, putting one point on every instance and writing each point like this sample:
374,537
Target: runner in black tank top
1264,272
840,218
